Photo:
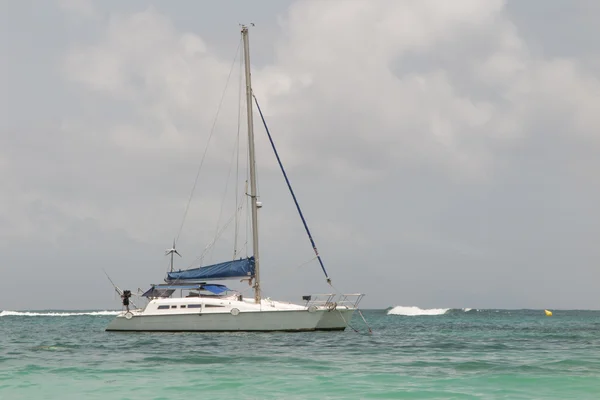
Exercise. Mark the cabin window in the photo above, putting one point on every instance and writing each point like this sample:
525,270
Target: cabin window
194,305
173,306
163,307
182,306
212,305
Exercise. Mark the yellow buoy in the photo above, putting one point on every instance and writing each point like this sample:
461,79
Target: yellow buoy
548,313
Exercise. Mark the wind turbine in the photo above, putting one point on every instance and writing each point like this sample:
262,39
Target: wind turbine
172,251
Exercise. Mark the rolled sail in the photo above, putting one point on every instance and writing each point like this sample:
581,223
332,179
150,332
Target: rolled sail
242,268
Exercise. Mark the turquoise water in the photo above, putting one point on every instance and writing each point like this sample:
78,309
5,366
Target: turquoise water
478,354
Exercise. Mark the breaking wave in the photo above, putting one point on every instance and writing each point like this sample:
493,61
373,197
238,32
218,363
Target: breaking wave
55,314
416,311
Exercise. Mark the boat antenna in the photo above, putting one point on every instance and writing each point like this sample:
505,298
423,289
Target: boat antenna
123,293
117,289
171,252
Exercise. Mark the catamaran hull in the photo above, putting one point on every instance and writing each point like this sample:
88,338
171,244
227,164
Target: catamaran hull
271,321
335,320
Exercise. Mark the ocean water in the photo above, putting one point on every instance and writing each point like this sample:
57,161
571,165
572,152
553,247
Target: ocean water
446,354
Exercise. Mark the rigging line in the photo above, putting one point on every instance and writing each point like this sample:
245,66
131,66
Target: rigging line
237,165
346,322
224,197
218,234
238,215
248,207
292,192
211,244
359,312
364,320
286,271
212,131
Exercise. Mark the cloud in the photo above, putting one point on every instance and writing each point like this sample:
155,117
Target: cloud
335,85
398,122
79,8
455,115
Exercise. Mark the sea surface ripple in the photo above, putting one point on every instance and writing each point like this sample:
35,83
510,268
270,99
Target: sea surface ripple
457,354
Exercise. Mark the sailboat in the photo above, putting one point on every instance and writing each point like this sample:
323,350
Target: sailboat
213,307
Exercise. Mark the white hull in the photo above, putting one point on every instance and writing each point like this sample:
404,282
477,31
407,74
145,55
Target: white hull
227,315
244,322
335,319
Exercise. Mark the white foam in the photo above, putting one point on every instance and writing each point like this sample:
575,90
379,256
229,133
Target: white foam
55,314
415,311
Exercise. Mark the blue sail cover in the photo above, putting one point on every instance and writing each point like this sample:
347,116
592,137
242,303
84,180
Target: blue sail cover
242,268
216,289
167,290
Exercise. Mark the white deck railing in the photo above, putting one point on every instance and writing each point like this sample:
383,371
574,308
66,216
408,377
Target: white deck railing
350,300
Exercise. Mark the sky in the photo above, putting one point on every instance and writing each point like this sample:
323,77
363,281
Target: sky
445,154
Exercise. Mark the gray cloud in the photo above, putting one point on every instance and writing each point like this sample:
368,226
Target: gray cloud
444,155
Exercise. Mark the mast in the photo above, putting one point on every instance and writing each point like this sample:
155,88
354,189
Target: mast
251,155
